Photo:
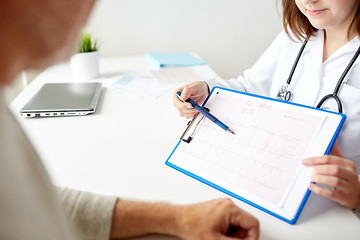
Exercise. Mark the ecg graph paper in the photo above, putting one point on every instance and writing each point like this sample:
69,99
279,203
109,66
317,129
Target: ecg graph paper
262,159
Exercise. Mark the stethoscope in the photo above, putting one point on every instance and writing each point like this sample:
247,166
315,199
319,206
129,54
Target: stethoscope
286,95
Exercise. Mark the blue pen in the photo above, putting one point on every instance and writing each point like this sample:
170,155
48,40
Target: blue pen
205,113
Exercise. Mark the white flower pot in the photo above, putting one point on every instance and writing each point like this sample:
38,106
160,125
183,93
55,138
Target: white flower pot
85,66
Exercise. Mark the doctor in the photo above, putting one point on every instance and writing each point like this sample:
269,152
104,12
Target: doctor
331,29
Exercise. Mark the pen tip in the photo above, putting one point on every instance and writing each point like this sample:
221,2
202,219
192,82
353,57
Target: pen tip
229,130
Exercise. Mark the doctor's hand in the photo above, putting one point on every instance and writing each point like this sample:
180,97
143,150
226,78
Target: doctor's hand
218,219
197,91
338,173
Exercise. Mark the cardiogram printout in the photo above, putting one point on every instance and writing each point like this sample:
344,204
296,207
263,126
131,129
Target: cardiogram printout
261,163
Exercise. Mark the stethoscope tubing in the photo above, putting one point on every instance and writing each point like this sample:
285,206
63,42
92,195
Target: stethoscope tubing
347,69
288,94
329,96
296,62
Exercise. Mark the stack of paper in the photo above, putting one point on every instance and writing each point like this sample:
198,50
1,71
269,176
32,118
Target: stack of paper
159,81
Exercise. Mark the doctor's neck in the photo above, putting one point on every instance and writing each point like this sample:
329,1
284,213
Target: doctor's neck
335,39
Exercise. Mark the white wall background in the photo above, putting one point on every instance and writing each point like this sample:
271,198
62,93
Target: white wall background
228,34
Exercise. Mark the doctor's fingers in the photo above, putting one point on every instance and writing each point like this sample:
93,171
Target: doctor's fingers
184,109
342,172
336,150
186,92
198,91
187,113
330,160
348,197
339,184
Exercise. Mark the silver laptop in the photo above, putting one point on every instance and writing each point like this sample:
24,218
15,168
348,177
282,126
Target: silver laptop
63,99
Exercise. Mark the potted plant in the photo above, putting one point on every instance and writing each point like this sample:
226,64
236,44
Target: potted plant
85,63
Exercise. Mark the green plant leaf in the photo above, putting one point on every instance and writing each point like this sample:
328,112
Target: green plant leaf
86,44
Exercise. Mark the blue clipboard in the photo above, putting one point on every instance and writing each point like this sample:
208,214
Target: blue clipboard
287,210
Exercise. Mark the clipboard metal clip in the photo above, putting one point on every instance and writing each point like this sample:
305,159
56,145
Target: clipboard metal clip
186,137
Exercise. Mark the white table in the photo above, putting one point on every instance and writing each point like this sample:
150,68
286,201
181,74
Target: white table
121,150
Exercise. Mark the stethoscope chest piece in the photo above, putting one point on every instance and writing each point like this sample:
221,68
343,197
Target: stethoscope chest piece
284,94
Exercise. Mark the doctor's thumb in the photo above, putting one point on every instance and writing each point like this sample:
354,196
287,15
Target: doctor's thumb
185,94
336,150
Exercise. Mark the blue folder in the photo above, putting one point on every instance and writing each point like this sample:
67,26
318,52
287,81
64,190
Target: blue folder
163,59
295,209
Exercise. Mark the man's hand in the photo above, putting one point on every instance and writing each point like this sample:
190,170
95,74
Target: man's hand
212,220
217,220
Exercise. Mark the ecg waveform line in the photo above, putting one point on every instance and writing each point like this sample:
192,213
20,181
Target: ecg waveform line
263,156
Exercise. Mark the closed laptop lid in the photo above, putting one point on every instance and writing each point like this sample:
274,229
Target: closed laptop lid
60,99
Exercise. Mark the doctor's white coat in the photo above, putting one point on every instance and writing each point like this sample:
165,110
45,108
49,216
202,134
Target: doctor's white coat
312,80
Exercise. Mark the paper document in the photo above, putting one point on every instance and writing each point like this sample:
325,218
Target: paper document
183,74
153,83
261,163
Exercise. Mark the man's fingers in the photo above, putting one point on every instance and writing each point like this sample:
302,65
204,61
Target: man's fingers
222,237
245,221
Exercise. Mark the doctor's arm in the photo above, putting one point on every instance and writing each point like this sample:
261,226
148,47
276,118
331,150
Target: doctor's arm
257,79
339,173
